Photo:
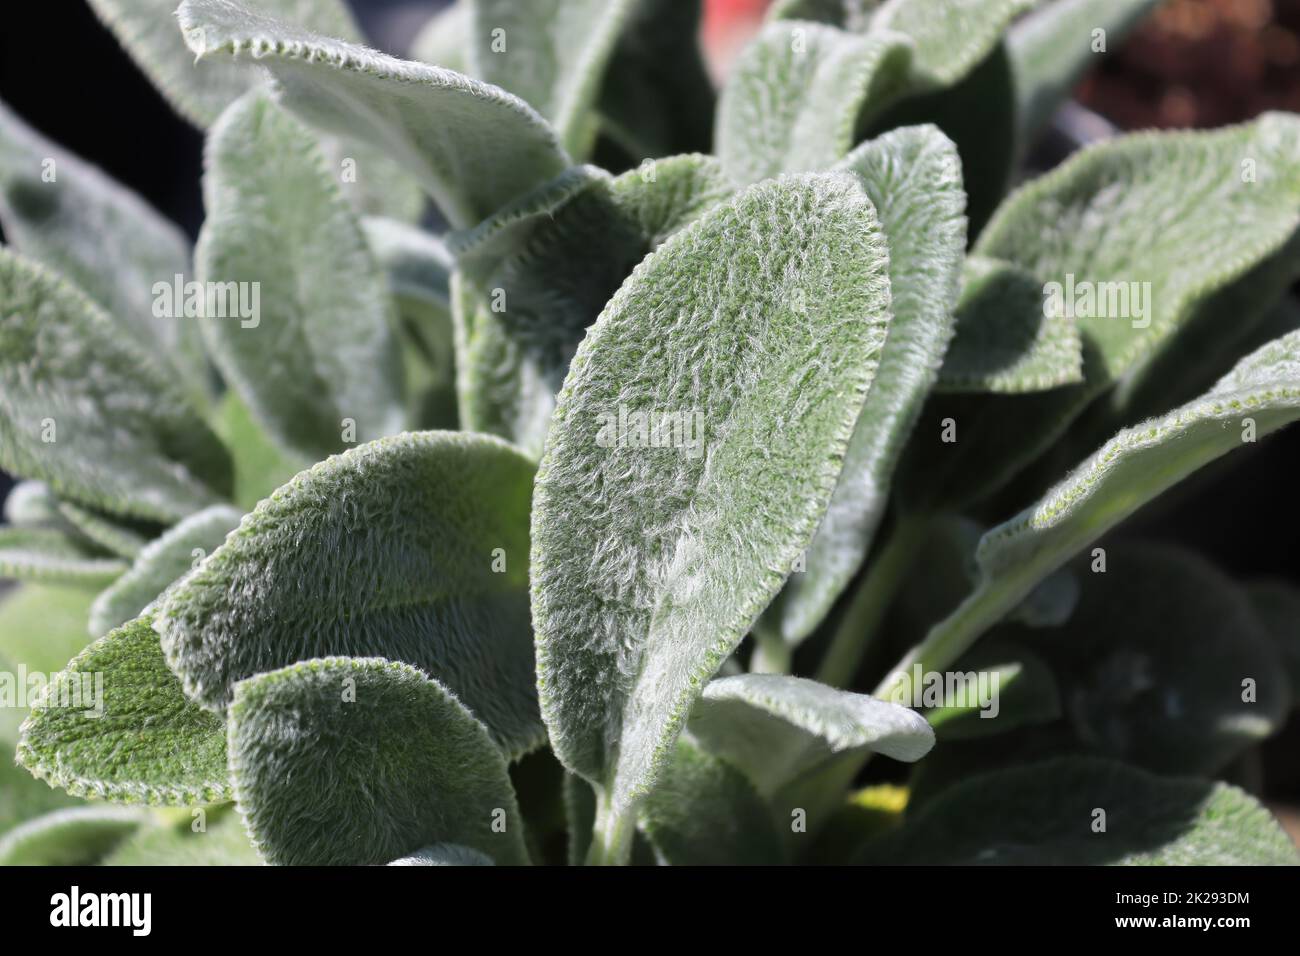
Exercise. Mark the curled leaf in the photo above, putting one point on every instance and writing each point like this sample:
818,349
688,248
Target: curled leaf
1006,340
471,145
777,728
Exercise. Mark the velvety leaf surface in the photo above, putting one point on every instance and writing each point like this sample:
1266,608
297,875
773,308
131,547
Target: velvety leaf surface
777,728
371,180
655,98
61,211
389,549
41,554
703,812
536,276
1171,195
319,350
796,94
950,36
1005,341
115,726
77,836
759,327
532,279
913,177
667,195
1184,679
1140,462
978,114
163,561
1145,208
348,761
124,438
1204,349
1043,814
495,237
801,89
471,145
444,854
201,90
550,53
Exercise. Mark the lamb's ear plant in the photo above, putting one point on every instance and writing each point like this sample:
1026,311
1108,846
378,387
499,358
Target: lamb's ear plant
647,498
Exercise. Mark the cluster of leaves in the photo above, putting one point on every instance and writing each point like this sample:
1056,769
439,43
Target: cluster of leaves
363,566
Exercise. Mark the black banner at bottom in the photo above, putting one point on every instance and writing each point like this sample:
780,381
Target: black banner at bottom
234,906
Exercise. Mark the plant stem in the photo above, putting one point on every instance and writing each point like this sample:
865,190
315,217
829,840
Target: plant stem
771,653
945,642
611,836
954,635
870,601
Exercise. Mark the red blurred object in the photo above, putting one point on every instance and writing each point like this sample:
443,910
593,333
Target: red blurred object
728,25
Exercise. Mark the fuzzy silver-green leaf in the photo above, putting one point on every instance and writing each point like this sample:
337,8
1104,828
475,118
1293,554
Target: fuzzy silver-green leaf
1006,341
759,328
472,146
317,350
414,548
550,53
309,744
913,177
115,725
82,411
